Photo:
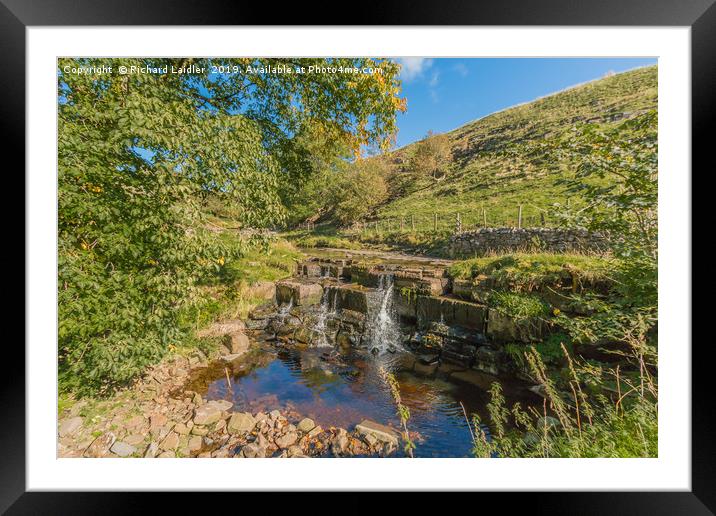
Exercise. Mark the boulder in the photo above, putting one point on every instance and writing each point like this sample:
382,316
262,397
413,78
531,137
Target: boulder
151,450
487,360
170,442
306,425
210,412
286,440
70,426
157,421
314,432
100,446
383,433
195,443
122,449
239,343
253,450
241,423
503,328
299,294
222,328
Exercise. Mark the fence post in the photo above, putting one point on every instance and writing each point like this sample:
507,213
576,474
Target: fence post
542,218
412,222
376,226
484,217
519,217
458,223
402,223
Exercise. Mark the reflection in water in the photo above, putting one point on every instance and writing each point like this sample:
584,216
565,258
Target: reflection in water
342,390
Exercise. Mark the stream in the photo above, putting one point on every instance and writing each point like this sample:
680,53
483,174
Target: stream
340,385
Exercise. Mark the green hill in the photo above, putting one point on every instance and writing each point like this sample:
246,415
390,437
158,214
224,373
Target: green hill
514,157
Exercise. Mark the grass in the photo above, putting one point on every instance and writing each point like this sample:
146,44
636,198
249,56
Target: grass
236,288
517,305
514,157
579,423
530,271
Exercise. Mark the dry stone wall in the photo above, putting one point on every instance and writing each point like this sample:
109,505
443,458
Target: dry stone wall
484,241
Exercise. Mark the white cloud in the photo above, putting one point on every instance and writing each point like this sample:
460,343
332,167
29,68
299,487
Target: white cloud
461,69
434,79
413,67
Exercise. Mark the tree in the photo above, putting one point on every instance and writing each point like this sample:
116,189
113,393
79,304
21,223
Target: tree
431,157
136,151
616,178
358,190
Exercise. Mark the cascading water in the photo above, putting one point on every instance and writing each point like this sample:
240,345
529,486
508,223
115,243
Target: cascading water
326,310
284,310
383,331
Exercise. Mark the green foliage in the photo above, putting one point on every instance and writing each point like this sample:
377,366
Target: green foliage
578,424
402,411
326,241
357,191
138,155
431,156
529,271
518,305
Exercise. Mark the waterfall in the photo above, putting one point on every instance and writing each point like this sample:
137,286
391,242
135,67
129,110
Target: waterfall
284,310
326,310
384,332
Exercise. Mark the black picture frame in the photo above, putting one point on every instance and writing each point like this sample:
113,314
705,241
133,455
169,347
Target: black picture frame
700,15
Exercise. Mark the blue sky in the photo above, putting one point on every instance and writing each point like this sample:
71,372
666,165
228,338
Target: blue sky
445,93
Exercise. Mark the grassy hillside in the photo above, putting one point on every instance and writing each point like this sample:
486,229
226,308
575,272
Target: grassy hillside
514,157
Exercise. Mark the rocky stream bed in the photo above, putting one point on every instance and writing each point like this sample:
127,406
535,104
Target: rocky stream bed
299,377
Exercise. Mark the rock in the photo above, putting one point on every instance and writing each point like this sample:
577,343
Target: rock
241,423
122,449
100,446
274,414
136,422
195,443
239,343
199,430
503,328
231,357
70,426
299,294
383,433
263,290
286,440
134,439
157,421
170,442
339,444
210,412
252,450
370,439
151,450
222,328
166,455
314,432
181,429
306,425
295,451
257,324
487,360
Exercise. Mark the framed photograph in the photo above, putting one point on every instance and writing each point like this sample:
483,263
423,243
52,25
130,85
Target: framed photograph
450,252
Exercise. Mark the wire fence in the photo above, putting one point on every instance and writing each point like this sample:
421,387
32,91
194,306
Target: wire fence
522,216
